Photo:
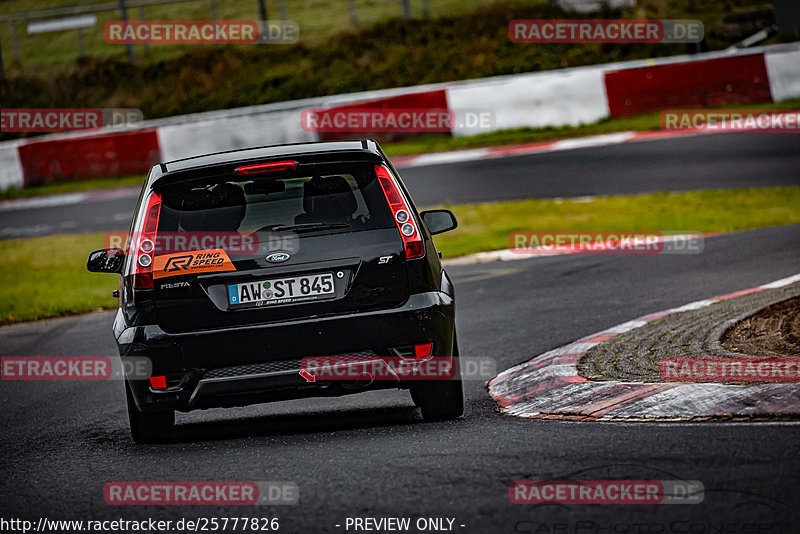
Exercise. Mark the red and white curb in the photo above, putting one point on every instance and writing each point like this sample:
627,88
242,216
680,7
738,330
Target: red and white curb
458,156
548,386
473,154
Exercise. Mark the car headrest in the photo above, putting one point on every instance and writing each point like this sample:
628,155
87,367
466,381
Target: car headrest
329,199
220,208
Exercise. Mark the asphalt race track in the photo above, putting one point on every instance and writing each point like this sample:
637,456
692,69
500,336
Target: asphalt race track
695,162
372,455
680,164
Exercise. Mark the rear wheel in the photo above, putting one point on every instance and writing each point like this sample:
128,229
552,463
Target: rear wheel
441,399
149,427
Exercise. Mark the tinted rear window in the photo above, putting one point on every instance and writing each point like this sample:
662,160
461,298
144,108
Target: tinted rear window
332,194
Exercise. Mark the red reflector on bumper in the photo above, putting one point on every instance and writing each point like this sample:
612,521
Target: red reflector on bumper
421,351
158,382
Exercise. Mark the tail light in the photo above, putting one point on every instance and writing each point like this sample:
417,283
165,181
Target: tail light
409,231
144,244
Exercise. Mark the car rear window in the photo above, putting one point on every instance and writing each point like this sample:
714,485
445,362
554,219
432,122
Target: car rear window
347,196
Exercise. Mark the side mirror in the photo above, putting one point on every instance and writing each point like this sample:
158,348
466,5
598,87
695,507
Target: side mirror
108,260
439,221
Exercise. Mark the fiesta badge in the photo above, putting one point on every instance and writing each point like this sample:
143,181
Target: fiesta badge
278,257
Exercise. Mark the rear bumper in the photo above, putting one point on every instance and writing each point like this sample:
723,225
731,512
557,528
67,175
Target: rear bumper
195,362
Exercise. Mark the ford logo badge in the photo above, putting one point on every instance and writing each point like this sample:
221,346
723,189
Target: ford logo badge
278,257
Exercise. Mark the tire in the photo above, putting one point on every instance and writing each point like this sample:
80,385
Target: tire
149,427
441,399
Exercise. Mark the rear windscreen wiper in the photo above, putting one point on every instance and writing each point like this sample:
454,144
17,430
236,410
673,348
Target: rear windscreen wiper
305,227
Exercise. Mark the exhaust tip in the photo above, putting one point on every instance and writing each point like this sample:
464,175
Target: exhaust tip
362,380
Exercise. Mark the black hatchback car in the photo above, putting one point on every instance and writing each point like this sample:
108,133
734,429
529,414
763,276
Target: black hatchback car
243,266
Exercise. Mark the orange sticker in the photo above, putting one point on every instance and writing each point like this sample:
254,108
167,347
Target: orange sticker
203,261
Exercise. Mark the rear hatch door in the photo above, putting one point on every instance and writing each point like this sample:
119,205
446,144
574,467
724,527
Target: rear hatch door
311,239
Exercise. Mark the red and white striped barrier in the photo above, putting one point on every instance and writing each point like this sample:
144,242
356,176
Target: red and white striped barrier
81,157
706,83
556,98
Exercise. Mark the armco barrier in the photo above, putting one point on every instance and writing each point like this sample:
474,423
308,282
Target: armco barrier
713,82
555,98
75,158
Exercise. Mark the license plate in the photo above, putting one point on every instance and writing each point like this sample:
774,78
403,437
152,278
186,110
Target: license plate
282,290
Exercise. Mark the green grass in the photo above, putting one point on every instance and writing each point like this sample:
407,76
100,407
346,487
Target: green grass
318,20
486,226
423,144
46,276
